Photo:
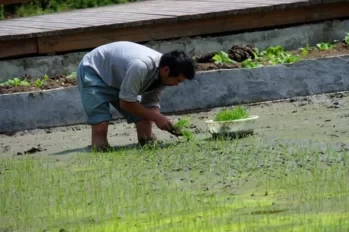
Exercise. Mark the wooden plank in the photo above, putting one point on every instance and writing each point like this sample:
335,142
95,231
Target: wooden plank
87,40
123,15
18,47
47,27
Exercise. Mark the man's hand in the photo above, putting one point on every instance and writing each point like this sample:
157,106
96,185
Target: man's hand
163,123
148,114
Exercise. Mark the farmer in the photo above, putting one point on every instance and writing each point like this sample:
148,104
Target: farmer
119,72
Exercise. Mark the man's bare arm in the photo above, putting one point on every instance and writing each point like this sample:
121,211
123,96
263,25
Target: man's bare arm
137,109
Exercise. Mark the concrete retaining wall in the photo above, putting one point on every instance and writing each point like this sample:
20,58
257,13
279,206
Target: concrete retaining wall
22,111
290,38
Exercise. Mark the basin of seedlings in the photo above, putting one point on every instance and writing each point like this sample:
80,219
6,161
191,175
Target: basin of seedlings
232,123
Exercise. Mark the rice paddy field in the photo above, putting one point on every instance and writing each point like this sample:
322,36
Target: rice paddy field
291,175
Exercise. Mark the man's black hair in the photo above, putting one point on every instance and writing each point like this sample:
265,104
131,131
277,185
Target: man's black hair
179,63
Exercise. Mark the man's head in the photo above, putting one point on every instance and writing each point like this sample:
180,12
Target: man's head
175,67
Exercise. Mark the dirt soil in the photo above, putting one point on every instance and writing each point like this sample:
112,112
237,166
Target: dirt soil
320,119
60,80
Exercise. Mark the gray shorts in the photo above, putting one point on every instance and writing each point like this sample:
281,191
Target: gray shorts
97,97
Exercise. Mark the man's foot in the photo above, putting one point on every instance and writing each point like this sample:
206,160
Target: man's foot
104,148
152,140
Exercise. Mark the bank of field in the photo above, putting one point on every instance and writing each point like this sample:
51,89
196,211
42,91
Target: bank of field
204,185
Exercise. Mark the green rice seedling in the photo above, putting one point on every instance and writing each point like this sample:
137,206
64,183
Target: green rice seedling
233,114
182,125
251,185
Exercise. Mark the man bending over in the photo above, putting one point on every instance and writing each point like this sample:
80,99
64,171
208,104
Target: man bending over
119,72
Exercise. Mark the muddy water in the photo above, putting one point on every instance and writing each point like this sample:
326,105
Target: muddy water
322,118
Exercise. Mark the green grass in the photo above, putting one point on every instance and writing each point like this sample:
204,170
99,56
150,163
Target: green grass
232,114
40,7
194,186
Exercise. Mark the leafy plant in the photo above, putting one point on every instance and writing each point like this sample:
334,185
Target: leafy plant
305,51
346,38
284,58
15,82
39,83
278,55
233,114
72,75
324,46
249,63
222,58
274,51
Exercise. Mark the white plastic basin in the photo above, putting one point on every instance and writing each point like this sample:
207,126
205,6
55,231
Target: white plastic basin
239,126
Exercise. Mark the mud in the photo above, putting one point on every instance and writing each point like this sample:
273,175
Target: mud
321,119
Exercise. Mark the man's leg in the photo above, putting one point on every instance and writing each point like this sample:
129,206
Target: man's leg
145,134
95,95
143,127
100,136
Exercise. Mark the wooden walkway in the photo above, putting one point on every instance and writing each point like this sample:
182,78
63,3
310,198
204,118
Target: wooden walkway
155,20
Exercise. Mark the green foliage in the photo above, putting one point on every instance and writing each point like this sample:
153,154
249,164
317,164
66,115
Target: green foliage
15,82
249,63
278,55
39,7
284,58
233,114
305,51
324,46
222,58
2,12
346,38
39,83
72,75
274,51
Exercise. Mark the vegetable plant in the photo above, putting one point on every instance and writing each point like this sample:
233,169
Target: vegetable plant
232,114
222,58
72,75
249,63
305,51
346,38
274,51
39,83
324,46
15,82
284,58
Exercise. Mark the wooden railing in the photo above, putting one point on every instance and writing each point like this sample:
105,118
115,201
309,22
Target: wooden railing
9,2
